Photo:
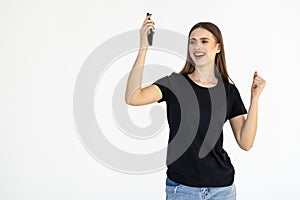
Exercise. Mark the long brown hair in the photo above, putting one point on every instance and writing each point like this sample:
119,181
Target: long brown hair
220,61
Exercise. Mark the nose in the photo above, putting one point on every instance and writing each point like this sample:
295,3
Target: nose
197,45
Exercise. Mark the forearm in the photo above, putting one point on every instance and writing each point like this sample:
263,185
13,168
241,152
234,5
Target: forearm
250,126
135,77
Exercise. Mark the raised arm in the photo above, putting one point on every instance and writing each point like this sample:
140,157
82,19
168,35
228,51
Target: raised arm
245,129
135,95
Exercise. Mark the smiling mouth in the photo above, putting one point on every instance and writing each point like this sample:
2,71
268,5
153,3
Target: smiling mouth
199,55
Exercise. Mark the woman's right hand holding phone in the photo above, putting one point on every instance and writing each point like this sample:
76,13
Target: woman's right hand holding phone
147,25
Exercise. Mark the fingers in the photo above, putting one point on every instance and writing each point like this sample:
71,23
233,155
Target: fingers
255,74
145,30
258,81
148,16
255,79
148,23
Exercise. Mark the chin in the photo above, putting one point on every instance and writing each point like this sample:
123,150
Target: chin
200,64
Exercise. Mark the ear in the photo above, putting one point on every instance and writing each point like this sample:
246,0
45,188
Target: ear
218,48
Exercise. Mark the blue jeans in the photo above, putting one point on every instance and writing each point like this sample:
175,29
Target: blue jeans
176,191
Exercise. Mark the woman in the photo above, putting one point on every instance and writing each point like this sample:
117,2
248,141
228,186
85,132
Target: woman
192,176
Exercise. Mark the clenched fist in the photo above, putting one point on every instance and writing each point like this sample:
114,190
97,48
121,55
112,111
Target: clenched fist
257,86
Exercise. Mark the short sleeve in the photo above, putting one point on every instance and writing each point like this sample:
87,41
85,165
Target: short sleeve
165,84
163,90
236,105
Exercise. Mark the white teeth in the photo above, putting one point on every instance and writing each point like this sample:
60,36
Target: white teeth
199,54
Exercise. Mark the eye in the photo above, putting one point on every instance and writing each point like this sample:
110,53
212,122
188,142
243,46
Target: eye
204,41
192,42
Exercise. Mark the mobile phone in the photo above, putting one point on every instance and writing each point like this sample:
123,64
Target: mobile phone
150,34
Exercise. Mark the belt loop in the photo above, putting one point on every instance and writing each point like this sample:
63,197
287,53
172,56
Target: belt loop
175,189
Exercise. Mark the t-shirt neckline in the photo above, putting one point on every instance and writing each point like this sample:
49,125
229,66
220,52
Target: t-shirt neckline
186,75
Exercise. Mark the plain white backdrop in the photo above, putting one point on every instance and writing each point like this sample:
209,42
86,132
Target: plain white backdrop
43,45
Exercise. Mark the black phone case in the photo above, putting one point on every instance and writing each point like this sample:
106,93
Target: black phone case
150,35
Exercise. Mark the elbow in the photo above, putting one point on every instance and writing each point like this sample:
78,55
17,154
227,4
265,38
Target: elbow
131,102
127,101
131,98
246,147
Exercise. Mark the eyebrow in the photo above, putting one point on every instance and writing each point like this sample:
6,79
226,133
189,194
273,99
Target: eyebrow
203,38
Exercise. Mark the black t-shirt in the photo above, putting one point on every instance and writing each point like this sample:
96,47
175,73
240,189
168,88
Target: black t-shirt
180,92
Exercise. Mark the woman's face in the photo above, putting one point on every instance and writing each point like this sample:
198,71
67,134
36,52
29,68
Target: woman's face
203,47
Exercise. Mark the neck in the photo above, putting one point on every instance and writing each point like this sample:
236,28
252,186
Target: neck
205,74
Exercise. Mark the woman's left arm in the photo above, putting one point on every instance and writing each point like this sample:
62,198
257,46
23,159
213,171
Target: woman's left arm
244,130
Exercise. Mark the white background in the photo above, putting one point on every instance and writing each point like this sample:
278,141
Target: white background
43,45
